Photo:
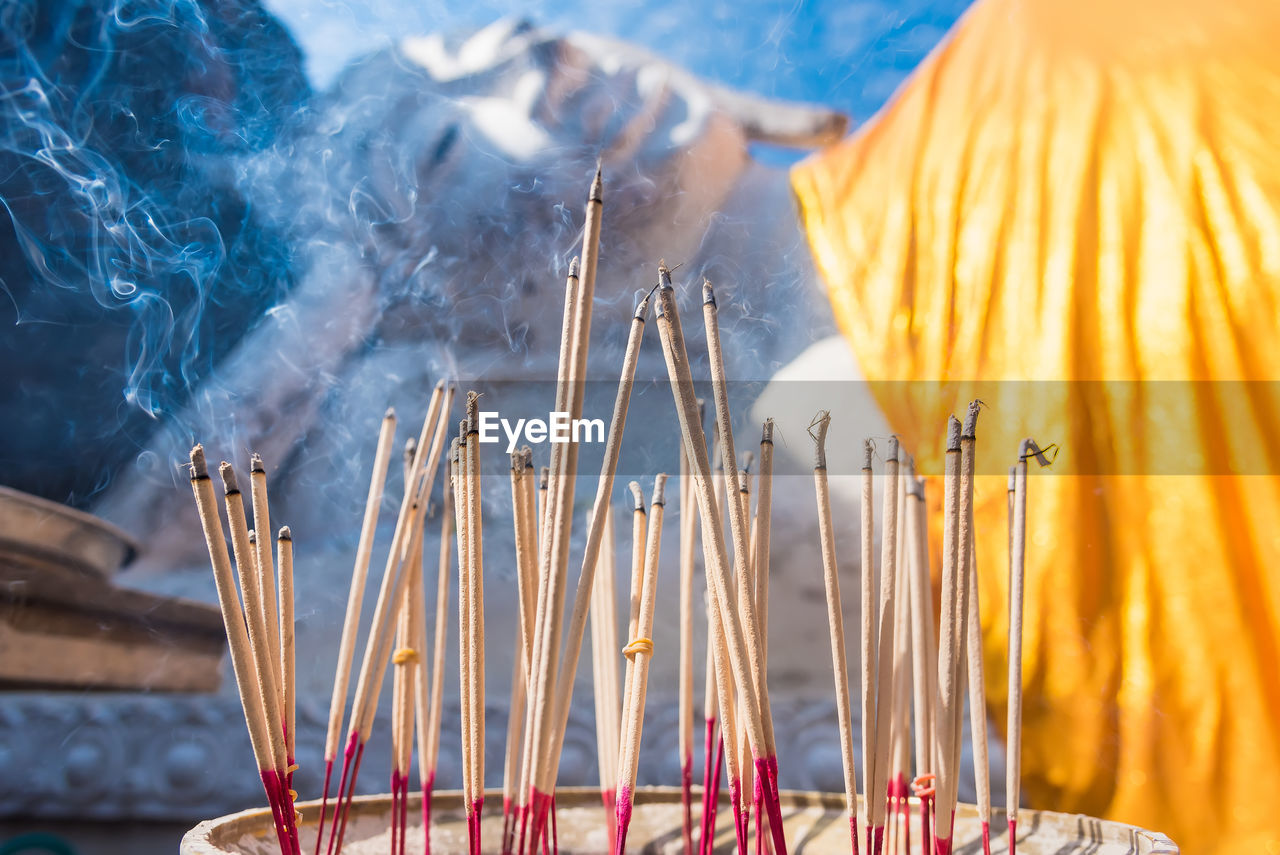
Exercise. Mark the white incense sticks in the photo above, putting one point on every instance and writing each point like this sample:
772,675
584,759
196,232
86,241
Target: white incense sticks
835,620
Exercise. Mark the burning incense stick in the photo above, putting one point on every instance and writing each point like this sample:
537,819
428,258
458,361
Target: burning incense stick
405,660
710,767
639,651
950,646
284,547
266,567
242,661
759,721
835,620
924,650
760,534
898,821
475,610
868,636
885,645
978,702
355,598
1017,582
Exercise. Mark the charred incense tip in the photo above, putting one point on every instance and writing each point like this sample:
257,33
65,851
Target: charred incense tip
253,537
454,445
664,276
597,184
473,411
915,487
228,473
544,477
255,463
1013,477
410,449
527,454
440,384
766,432
818,431
637,495
517,462
659,488
702,410
708,294
284,534
573,267
199,466
390,414
971,420
868,448
892,456
953,433
642,308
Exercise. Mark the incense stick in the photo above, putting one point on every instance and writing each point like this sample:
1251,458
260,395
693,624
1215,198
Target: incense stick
242,661
404,661
885,645
978,700
710,771
267,586
754,687
761,538
835,621
924,650
604,666
427,758
950,645
284,547
355,598
1017,583
639,651
898,820
688,523
868,637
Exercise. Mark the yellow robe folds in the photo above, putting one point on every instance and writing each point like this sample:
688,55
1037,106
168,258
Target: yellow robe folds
1072,211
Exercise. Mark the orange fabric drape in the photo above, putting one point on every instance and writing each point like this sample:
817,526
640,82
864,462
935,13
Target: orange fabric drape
1072,210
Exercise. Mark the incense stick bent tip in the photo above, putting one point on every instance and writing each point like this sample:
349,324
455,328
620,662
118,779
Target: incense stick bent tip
818,432
971,419
637,495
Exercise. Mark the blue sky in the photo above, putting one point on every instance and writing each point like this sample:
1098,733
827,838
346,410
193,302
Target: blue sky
848,54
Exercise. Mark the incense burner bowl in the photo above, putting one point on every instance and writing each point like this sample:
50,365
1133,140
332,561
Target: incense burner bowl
816,824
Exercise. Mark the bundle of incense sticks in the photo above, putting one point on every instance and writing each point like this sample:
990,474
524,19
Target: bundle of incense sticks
913,679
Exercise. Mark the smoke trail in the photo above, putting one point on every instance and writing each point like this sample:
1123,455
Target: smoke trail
126,254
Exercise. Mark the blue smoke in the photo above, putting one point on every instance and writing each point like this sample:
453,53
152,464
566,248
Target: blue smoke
129,261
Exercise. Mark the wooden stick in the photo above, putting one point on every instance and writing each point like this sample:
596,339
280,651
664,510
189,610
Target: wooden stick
639,651
868,637
752,683
760,545
355,599
461,487
710,771
900,717
242,660
835,621
1017,583
404,662
885,648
